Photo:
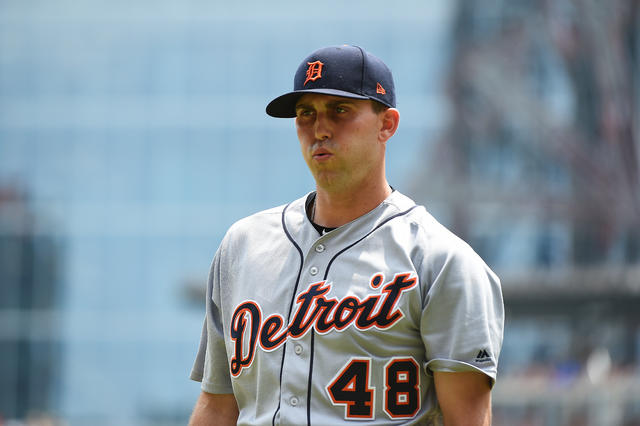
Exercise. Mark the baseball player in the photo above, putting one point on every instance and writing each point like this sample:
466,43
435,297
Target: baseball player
351,304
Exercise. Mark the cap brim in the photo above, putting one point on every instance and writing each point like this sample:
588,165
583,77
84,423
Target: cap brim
285,106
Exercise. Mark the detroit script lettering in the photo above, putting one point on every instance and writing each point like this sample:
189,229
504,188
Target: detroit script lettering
315,310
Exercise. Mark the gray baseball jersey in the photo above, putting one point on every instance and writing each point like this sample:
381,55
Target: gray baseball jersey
350,325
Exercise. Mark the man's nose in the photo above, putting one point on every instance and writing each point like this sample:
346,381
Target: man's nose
322,127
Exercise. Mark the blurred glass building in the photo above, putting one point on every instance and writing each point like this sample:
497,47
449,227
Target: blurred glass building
132,134
29,274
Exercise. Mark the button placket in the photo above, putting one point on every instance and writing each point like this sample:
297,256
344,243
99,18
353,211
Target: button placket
315,256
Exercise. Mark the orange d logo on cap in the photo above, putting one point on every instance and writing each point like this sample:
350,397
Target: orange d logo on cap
314,71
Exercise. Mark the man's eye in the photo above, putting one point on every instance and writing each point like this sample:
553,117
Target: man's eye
341,109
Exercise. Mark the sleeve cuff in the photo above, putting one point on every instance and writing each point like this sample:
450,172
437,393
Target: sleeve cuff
453,366
196,376
216,388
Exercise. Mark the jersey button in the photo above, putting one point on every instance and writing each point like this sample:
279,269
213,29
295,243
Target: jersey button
313,270
320,248
297,349
293,401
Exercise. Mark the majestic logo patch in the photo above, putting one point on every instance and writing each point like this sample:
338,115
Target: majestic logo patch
314,71
380,89
314,311
483,356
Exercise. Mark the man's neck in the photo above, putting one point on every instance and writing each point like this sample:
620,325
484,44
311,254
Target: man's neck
334,209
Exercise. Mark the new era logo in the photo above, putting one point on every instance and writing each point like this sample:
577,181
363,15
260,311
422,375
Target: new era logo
483,356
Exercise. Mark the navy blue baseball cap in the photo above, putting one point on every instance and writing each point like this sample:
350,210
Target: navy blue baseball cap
347,71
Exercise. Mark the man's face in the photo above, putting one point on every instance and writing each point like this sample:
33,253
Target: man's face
340,140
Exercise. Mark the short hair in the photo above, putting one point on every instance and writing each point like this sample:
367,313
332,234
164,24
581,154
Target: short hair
378,107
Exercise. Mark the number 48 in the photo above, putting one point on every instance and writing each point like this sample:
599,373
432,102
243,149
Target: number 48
351,388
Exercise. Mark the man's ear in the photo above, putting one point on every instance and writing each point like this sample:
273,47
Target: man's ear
390,119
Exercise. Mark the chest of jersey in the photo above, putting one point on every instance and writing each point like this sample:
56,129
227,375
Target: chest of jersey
331,324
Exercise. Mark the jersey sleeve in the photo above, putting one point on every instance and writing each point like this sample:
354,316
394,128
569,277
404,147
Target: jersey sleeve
211,366
463,314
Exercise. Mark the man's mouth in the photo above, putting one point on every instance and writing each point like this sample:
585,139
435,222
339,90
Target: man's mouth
321,154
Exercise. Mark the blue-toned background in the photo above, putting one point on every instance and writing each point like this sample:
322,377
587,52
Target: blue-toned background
132,134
